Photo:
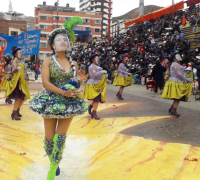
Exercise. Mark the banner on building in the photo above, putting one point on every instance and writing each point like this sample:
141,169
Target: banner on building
28,41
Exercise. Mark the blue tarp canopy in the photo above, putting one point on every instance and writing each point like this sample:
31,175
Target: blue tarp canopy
83,32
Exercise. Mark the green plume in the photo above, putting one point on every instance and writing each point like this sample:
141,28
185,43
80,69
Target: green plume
72,35
69,25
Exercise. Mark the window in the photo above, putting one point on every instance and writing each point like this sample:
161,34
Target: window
43,35
97,30
87,29
87,20
67,18
14,33
77,28
56,18
43,26
43,17
43,45
97,21
91,8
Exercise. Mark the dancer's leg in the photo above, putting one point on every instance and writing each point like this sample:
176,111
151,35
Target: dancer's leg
121,89
17,104
50,128
174,109
176,103
21,103
95,105
63,125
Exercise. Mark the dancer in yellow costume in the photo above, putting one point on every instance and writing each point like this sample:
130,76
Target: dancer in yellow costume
123,79
7,76
95,88
17,87
178,87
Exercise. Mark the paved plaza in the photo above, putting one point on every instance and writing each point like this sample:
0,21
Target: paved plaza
136,139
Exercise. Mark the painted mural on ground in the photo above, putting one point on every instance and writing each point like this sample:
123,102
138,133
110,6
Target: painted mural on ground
95,150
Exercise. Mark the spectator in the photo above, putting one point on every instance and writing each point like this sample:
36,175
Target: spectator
36,69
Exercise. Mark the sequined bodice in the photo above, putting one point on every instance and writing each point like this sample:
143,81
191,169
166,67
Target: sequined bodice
57,76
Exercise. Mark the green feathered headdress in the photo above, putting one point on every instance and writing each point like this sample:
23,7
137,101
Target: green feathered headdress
67,28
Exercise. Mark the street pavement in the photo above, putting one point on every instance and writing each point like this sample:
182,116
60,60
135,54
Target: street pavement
136,139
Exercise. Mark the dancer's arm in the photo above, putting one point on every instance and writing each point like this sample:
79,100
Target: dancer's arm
94,73
80,73
178,74
16,67
121,66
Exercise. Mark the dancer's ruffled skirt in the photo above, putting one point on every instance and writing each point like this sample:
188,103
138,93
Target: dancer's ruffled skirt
51,105
123,81
177,90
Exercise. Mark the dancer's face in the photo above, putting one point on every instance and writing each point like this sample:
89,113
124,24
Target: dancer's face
96,60
178,57
19,54
61,43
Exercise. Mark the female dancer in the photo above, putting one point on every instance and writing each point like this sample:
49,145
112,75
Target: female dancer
178,87
17,87
55,105
7,76
95,88
123,79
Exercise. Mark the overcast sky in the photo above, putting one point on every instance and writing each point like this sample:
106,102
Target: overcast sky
120,7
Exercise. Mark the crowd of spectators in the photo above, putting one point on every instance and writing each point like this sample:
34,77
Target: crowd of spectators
144,45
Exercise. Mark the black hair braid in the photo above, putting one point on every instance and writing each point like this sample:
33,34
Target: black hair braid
53,50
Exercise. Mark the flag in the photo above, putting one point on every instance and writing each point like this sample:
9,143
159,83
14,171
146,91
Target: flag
184,20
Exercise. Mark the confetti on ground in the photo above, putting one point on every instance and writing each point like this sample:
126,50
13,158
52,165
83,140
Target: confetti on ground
165,126
115,107
194,159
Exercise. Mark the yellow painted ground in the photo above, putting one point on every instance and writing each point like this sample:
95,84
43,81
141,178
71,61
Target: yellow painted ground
95,150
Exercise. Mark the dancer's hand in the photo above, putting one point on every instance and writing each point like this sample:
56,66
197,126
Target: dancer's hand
71,93
81,75
190,80
19,67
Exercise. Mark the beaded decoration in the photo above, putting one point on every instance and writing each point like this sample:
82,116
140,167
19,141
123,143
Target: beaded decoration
71,62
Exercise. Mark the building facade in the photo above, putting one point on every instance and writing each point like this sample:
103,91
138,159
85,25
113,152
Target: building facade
48,18
117,28
98,6
6,24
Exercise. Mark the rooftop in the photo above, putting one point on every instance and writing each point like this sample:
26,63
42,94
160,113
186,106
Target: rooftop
64,9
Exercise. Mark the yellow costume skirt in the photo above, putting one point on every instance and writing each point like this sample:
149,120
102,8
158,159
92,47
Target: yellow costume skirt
177,90
17,78
93,90
123,81
5,81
